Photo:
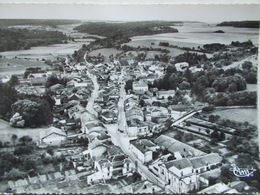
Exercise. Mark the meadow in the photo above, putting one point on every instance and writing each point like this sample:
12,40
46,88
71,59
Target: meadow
239,115
18,66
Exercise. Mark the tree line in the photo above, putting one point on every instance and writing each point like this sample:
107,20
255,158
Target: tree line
17,39
214,86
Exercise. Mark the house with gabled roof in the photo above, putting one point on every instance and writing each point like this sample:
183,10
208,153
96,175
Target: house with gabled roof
134,113
52,136
115,164
218,188
137,128
143,149
94,126
108,117
158,111
140,87
183,174
57,88
174,146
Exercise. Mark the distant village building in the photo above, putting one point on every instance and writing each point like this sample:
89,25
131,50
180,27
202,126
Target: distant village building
52,136
37,78
140,87
165,94
182,66
134,113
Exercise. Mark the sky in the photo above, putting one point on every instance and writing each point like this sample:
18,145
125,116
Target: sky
203,13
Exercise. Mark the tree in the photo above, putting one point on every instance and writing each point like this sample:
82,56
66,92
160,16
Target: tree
17,120
29,164
27,109
13,81
23,150
136,176
247,65
142,103
222,136
184,85
7,98
200,85
215,134
34,113
50,151
14,138
179,135
226,175
129,85
188,123
25,139
15,174
211,118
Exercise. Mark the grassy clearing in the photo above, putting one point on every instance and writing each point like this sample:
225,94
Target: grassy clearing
18,66
251,87
238,115
6,132
105,52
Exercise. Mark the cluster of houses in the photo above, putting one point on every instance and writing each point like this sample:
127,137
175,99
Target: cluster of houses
182,167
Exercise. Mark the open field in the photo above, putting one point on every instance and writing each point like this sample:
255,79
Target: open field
6,131
46,52
251,87
105,52
239,115
18,66
252,58
52,51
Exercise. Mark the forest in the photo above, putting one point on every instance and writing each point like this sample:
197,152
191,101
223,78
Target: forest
127,29
17,39
241,24
50,22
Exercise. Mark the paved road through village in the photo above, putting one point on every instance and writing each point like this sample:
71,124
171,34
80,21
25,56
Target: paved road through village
121,139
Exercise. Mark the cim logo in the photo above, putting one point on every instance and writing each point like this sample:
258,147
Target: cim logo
241,172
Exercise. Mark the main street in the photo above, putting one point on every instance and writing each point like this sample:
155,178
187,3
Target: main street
118,138
122,140
94,95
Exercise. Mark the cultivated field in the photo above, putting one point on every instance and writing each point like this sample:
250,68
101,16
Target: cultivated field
18,66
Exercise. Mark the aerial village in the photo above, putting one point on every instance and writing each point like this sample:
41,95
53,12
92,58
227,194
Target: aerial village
109,138
128,114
